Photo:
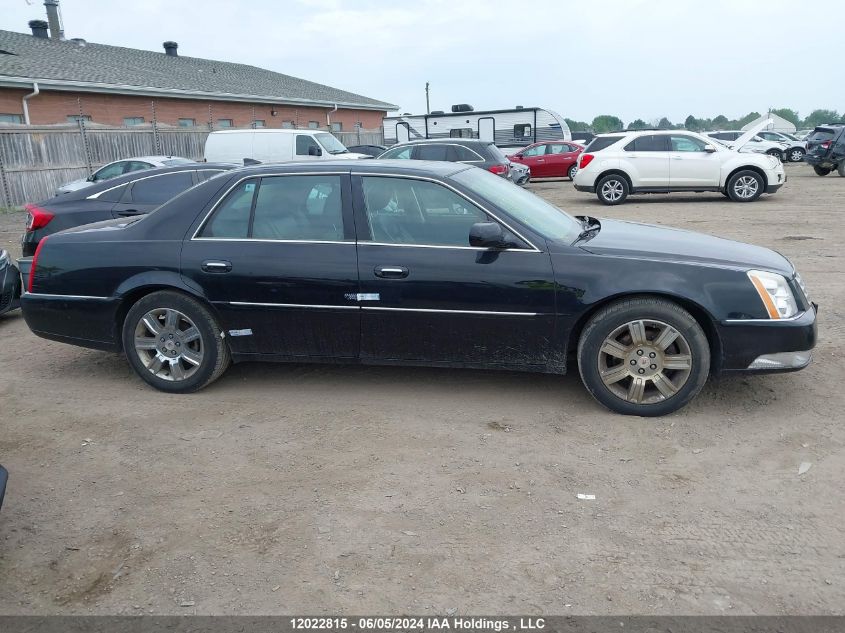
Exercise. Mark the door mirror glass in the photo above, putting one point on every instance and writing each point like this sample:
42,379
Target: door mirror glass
487,235
709,149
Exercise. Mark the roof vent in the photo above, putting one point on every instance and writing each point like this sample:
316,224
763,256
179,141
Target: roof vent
170,49
462,107
39,28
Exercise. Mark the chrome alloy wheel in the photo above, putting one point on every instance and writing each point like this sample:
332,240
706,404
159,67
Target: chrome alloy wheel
645,361
168,344
612,190
746,187
796,155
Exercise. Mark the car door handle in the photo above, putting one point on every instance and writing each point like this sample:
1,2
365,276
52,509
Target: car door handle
541,160
129,212
216,266
391,272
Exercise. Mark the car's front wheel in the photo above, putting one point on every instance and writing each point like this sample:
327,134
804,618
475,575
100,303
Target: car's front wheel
745,186
572,170
612,189
796,154
821,171
174,343
643,356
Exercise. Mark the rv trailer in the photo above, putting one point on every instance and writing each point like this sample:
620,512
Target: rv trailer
508,129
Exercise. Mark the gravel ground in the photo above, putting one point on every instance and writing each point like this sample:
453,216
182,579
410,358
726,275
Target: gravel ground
325,489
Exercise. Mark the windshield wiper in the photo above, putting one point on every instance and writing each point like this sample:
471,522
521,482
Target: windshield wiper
589,227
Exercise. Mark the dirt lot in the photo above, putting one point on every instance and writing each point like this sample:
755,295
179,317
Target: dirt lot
357,490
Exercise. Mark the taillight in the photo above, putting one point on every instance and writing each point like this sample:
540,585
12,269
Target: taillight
36,218
584,160
34,264
499,170
826,145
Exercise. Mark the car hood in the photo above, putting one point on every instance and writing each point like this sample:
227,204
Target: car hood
620,238
750,133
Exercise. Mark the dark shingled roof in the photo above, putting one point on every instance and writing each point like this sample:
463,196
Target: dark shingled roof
137,71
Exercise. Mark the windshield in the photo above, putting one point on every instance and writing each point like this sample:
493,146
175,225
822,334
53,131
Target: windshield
330,143
531,210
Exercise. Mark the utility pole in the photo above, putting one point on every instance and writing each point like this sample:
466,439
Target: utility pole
427,106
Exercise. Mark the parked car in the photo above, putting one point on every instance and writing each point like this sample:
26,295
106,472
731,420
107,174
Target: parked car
519,173
795,149
583,138
802,135
10,283
133,194
122,167
754,144
369,150
274,146
4,477
616,165
826,149
550,160
483,154
417,263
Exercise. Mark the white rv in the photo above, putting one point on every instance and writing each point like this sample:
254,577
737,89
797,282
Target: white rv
508,129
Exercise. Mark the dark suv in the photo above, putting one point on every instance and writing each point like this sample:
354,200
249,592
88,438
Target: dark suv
482,154
826,149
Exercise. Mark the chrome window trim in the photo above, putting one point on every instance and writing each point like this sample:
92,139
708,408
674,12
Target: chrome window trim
94,196
259,176
462,195
433,310
460,248
37,295
261,239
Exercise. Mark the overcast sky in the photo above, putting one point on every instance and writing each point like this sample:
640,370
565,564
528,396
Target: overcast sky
630,58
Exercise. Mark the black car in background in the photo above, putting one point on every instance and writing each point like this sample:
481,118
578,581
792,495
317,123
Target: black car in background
474,152
417,263
826,149
369,150
10,283
135,193
4,477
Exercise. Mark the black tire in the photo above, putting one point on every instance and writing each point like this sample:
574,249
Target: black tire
777,153
821,171
650,311
739,186
571,173
796,154
212,350
612,189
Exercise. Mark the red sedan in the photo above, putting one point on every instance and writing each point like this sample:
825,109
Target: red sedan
550,159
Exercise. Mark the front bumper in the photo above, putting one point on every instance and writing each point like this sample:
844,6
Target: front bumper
765,345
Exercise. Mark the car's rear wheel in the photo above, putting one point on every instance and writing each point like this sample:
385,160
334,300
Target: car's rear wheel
612,189
643,356
775,152
745,186
174,343
796,154
572,171
821,171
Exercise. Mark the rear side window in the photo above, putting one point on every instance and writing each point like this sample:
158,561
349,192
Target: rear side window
160,189
496,154
399,152
205,174
298,208
601,142
231,218
113,195
459,153
431,152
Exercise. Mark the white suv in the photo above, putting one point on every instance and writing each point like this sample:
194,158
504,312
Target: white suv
618,164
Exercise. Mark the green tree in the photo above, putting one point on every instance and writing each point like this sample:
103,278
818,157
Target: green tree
693,124
577,126
720,122
748,118
607,123
819,117
664,124
637,124
789,115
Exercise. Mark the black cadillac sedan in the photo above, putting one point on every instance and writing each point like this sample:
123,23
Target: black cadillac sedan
417,263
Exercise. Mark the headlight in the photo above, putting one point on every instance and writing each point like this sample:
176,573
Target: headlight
775,294
801,285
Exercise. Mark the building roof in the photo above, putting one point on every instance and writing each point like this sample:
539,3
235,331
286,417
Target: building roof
72,65
779,124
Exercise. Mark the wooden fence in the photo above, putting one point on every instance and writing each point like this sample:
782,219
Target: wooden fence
34,161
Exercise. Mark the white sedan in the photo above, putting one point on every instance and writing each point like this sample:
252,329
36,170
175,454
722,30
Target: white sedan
120,167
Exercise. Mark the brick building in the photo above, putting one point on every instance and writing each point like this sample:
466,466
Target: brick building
48,81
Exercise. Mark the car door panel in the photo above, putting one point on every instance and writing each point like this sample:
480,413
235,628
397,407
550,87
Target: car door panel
648,158
690,166
276,297
451,305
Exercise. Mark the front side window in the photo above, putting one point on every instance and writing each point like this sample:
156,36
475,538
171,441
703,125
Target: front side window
160,189
399,152
135,165
687,144
418,212
307,146
298,208
537,150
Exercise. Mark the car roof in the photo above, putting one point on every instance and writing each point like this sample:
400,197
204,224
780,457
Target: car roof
397,166
450,140
150,158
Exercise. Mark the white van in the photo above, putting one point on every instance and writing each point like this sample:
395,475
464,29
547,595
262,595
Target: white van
274,146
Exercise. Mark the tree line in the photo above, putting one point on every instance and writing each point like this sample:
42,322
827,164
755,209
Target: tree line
610,123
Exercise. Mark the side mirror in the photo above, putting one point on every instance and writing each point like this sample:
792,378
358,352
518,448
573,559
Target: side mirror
520,155
487,235
314,151
709,149
91,178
